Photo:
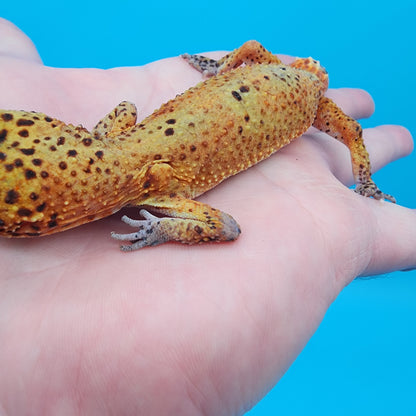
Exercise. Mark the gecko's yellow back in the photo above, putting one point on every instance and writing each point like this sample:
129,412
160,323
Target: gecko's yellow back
228,123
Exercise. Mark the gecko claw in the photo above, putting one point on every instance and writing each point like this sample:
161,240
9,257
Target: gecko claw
146,234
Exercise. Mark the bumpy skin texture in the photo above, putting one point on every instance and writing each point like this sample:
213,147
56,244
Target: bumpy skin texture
55,176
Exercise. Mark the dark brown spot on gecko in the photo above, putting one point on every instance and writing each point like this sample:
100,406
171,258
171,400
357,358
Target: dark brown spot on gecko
33,196
171,121
72,153
24,122
11,197
48,119
2,156
99,154
24,212
87,141
236,95
30,174
52,148
7,117
18,163
62,165
52,224
169,131
9,167
192,148
27,152
15,144
182,156
198,229
146,184
37,162
244,88
23,133
44,174
157,157
247,117
3,135
60,141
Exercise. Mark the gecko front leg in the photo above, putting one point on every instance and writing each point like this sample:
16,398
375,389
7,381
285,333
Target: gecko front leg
181,220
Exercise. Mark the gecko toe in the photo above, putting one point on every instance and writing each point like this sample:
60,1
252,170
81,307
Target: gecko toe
369,189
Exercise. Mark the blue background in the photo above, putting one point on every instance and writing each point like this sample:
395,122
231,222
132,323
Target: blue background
362,359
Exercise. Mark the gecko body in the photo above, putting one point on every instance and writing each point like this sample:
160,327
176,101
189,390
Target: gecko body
56,176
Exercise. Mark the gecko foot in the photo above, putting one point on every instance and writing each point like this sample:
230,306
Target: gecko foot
188,230
206,66
370,189
146,235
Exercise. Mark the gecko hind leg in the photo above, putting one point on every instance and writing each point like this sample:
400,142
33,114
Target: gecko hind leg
186,221
250,53
332,120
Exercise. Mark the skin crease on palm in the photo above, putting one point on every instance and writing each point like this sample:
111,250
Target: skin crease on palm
209,329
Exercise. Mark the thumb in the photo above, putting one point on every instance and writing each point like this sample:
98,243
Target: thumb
394,247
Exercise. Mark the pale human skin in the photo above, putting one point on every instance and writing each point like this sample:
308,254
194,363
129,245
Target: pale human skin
209,329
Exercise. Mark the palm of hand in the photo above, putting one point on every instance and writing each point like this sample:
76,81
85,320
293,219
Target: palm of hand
203,328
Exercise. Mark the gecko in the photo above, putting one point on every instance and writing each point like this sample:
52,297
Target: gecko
56,176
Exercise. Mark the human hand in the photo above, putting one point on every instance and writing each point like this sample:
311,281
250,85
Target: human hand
175,329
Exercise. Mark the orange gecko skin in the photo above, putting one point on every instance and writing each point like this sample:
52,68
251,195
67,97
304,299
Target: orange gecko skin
56,176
